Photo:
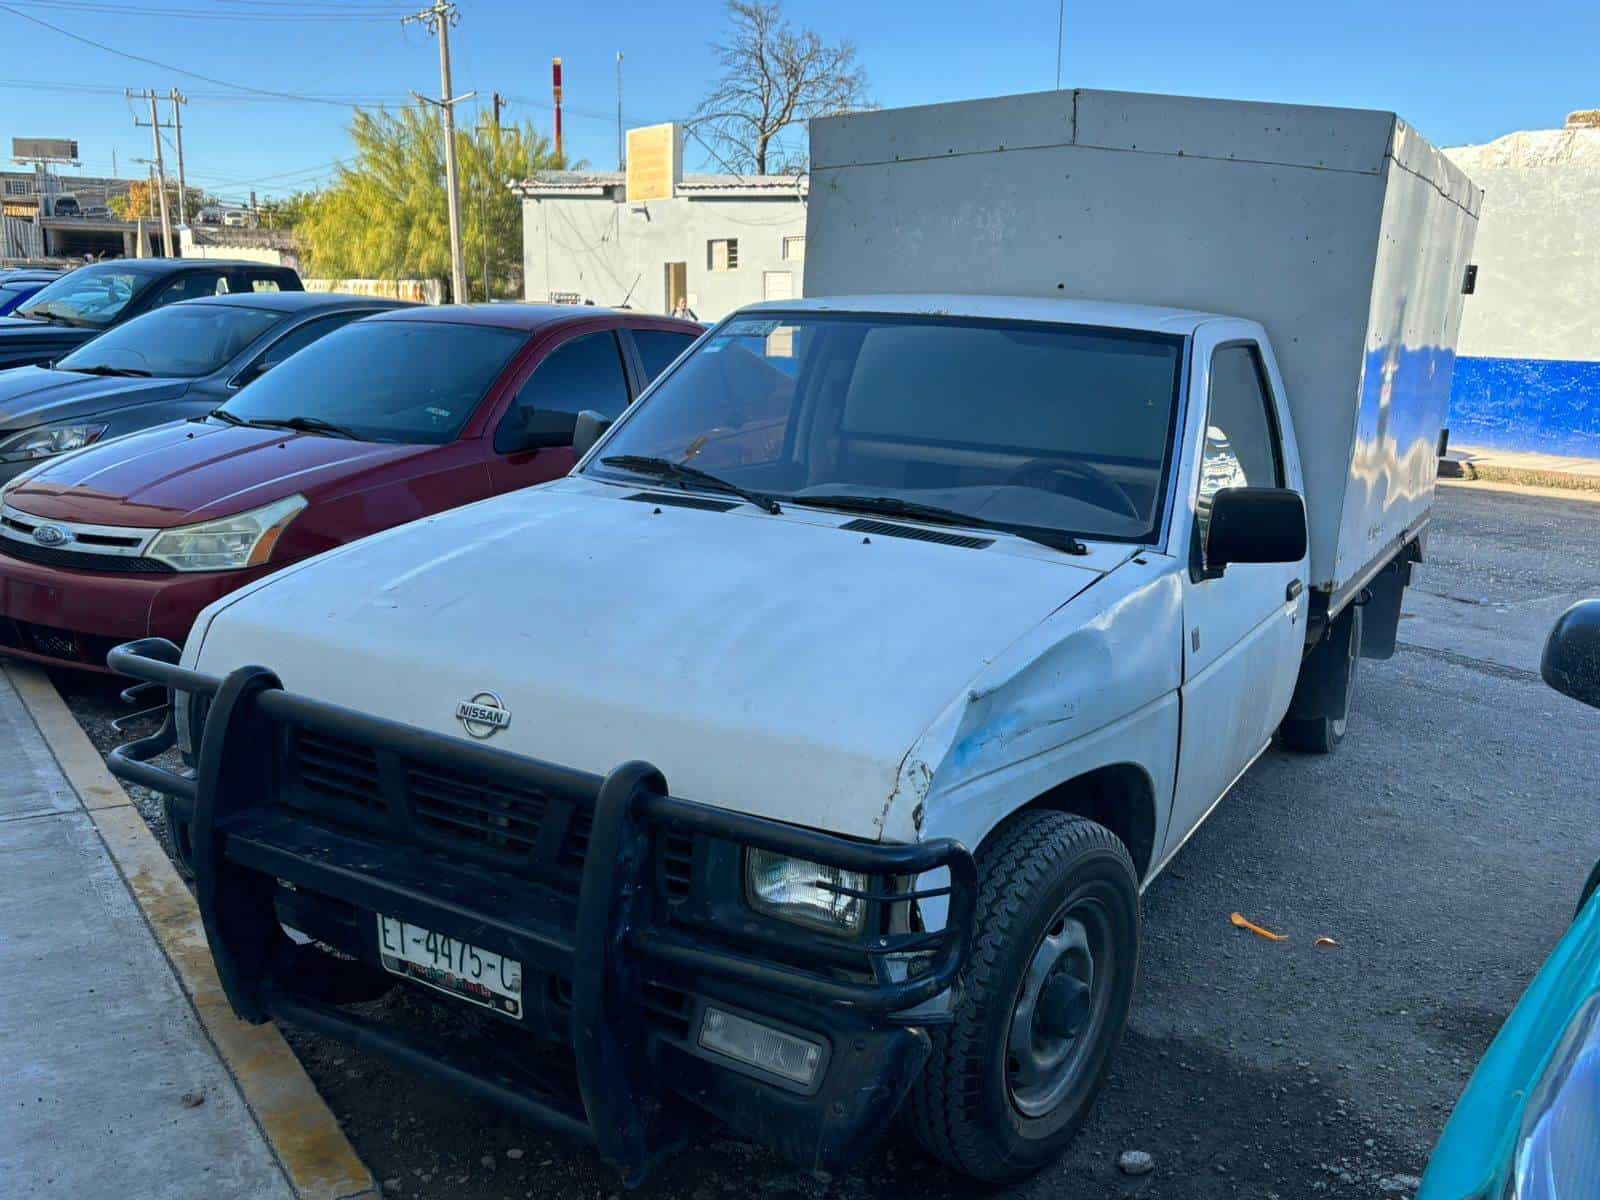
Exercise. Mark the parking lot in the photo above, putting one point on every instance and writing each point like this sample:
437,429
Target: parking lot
1442,848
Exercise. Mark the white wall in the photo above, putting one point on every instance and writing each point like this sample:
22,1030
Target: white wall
607,251
1538,248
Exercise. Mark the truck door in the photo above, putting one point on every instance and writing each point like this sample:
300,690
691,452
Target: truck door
1243,628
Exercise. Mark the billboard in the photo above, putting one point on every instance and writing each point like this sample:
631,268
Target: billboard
50,149
655,162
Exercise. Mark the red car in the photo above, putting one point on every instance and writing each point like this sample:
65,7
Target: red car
391,418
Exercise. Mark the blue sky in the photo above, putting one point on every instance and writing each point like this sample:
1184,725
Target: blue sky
1459,72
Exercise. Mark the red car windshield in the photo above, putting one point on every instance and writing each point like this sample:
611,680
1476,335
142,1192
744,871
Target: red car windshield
383,381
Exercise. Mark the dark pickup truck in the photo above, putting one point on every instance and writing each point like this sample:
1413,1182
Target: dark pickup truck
85,303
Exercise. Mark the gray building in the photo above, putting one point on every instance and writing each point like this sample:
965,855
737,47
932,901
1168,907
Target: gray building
718,241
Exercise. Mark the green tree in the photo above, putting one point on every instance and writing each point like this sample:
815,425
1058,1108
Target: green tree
286,212
385,217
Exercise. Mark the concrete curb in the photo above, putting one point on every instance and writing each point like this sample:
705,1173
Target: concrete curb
1528,477
1581,494
304,1136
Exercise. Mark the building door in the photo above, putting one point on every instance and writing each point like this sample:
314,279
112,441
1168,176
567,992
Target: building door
777,285
677,284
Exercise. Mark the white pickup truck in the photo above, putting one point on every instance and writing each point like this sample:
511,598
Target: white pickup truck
802,755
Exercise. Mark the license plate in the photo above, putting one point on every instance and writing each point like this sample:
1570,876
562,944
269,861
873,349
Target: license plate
451,965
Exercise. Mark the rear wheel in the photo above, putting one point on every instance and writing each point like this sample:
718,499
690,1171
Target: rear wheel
1043,1003
1320,735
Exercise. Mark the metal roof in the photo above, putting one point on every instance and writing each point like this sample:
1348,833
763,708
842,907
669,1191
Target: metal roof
598,183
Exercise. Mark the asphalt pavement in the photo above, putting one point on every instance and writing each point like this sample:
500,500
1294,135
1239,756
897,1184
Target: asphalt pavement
1442,847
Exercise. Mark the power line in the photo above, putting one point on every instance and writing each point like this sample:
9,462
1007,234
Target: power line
90,89
77,37
98,7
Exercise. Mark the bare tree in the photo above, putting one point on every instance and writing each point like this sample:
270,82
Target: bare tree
774,78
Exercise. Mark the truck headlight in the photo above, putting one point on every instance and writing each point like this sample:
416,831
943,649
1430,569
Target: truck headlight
229,543
806,893
48,440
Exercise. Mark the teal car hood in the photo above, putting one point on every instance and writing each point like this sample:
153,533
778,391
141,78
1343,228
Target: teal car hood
1477,1152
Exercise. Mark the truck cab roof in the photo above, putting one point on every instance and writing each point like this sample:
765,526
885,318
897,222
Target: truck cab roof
1114,313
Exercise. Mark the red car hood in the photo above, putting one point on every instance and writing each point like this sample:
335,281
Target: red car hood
192,471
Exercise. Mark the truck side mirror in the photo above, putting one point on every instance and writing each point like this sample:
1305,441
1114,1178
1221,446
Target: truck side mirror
1255,525
1571,662
588,430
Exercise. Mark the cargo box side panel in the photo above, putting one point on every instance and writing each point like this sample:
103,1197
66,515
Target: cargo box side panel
1289,246
1429,218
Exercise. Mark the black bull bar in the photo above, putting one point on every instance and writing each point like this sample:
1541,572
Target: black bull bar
610,945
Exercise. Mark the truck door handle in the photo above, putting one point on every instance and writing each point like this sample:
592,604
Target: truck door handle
1293,591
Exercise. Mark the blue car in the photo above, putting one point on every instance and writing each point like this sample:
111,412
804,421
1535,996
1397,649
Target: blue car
1528,1125
17,285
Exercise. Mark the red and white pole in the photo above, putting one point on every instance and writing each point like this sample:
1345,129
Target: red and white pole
555,81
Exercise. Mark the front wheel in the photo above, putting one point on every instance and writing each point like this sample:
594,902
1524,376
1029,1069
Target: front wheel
1044,999
178,841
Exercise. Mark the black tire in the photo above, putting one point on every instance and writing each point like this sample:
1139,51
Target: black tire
1039,870
178,844
1322,735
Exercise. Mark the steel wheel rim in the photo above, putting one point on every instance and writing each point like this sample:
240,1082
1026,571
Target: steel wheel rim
1060,1006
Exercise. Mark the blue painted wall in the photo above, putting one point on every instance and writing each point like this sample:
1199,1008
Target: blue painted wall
1551,406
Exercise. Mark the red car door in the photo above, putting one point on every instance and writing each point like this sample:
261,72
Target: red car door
586,370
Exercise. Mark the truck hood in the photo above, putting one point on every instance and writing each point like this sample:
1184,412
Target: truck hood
777,665
191,471
32,396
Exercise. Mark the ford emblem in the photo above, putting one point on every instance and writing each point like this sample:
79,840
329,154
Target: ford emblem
483,715
51,535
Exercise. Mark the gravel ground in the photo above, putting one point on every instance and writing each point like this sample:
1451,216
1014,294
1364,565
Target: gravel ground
1442,847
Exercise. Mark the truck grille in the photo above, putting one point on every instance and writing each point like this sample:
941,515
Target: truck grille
353,784
502,819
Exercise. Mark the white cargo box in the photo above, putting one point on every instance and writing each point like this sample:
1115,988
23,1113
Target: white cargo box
1342,231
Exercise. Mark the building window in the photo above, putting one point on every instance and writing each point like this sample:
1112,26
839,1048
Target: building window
794,249
722,254
19,187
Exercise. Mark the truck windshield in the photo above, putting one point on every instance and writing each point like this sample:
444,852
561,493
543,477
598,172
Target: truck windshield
89,297
1038,426
383,381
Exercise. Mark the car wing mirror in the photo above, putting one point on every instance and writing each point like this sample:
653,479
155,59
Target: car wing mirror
588,430
1255,525
1571,662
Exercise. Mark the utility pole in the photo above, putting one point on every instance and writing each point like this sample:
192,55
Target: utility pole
178,99
499,103
438,19
156,127
622,154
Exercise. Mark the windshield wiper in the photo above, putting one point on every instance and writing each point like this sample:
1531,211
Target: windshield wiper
674,472
101,369
933,514
308,425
